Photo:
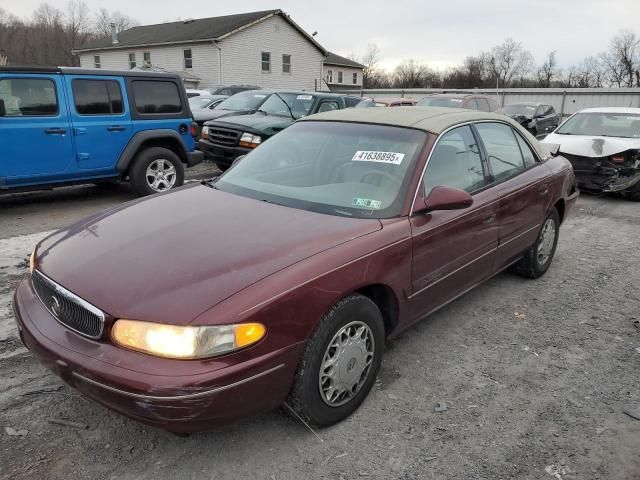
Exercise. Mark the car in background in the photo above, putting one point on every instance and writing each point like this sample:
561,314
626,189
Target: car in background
227,138
603,145
538,118
243,103
61,126
333,237
232,89
205,102
192,92
386,102
460,100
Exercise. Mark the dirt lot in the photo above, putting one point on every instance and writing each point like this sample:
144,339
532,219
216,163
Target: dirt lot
535,376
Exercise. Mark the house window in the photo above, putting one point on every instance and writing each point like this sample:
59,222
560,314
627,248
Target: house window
132,60
339,77
146,56
266,62
188,59
286,63
96,61
355,78
329,76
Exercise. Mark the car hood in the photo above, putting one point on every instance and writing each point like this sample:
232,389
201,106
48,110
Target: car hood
592,146
259,122
206,114
172,256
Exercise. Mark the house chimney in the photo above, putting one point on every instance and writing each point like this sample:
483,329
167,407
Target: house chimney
114,34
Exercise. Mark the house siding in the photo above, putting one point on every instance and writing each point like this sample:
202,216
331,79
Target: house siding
205,60
241,57
347,76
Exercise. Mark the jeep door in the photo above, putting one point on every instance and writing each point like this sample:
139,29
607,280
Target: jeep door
101,120
34,130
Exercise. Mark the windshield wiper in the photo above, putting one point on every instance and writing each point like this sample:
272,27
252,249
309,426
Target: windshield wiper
288,107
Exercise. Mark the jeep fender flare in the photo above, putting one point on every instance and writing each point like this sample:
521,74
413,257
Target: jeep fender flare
133,147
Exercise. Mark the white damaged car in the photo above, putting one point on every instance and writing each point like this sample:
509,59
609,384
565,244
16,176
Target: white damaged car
603,145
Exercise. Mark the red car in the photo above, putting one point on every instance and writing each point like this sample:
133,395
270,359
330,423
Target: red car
282,280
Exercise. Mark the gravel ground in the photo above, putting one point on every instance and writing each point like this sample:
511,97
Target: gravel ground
535,376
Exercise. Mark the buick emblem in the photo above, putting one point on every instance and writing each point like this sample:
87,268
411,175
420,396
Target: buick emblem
55,306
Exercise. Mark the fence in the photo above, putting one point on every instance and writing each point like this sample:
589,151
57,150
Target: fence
566,101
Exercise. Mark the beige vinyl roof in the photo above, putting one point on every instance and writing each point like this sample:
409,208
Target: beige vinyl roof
430,119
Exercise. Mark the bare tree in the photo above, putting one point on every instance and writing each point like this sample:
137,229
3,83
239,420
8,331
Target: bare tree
47,16
548,71
104,19
413,74
370,59
624,51
509,61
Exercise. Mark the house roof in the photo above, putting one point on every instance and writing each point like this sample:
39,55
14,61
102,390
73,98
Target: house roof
189,31
334,59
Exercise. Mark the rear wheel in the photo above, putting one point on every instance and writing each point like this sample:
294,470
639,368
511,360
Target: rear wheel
156,170
537,259
340,362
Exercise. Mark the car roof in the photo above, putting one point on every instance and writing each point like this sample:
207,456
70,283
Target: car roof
391,100
530,104
611,110
86,71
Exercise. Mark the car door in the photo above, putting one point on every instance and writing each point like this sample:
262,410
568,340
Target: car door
35,140
520,182
453,250
100,118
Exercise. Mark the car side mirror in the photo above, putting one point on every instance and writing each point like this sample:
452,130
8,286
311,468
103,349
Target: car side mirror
447,198
3,110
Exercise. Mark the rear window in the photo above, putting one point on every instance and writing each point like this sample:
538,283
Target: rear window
97,97
154,97
29,97
440,102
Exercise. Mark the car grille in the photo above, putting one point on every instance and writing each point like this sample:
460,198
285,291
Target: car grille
69,309
223,136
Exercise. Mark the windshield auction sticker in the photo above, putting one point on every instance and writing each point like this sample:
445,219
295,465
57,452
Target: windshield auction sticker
367,203
392,158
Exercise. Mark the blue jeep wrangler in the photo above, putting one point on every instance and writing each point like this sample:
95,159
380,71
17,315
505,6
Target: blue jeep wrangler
61,126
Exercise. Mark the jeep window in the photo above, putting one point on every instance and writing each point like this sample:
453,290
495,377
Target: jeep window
602,124
29,97
300,104
266,62
243,101
188,59
97,97
152,96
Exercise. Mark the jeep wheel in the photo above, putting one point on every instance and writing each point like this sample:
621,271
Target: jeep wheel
156,170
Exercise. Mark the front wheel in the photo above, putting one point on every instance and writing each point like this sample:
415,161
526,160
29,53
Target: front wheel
537,259
156,170
340,362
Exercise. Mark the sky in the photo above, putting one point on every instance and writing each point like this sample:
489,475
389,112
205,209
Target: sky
440,33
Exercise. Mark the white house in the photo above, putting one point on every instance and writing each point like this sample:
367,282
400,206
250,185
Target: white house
341,73
266,49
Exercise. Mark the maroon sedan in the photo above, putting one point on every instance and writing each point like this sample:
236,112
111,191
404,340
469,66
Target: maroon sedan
282,280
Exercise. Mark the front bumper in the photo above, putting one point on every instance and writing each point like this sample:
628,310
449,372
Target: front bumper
194,158
176,400
224,155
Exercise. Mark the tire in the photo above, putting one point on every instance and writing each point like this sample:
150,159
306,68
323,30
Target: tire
149,160
535,263
633,195
355,313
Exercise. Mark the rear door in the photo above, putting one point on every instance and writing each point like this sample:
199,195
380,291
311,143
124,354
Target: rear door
100,118
520,182
453,250
35,140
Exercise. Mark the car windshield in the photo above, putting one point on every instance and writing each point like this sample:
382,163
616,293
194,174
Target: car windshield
347,169
370,104
196,103
440,102
602,124
286,104
243,101
516,109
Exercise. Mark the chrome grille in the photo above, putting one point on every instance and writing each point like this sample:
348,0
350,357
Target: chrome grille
69,309
223,136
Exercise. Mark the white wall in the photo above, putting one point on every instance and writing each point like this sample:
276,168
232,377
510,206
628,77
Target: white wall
204,55
241,57
347,76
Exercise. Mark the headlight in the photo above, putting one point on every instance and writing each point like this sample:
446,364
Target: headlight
173,341
205,133
249,140
32,261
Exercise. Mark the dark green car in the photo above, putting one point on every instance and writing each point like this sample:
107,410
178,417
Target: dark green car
226,139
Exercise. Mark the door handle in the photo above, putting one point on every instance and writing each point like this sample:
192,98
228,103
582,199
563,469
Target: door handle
115,128
55,131
544,189
490,219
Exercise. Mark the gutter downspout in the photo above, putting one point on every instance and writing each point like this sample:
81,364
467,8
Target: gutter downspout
215,43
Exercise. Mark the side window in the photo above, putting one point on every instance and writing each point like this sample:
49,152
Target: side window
502,148
472,104
97,97
483,105
493,105
527,153
328,106
551,110
455,162
29,97
540,111
152,96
